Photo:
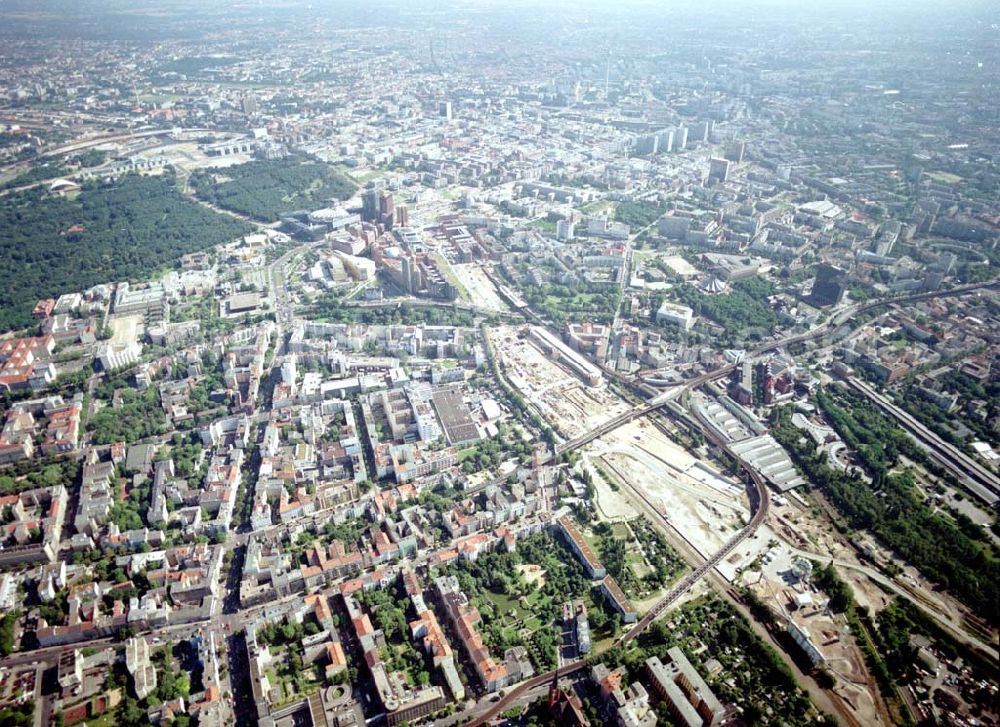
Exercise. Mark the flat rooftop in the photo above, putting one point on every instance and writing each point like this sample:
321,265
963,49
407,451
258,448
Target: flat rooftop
454,416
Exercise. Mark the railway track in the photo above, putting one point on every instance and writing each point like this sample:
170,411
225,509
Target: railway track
758,492
978,480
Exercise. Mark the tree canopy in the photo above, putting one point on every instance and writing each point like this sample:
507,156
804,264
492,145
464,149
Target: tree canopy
265,190
125,229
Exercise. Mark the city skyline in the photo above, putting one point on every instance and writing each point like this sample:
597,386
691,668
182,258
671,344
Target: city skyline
480,362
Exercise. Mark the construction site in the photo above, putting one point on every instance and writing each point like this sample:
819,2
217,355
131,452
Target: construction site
482,292
702,507
782,581
641,468
569,405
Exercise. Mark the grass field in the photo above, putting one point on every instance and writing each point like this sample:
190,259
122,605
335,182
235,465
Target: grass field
597,207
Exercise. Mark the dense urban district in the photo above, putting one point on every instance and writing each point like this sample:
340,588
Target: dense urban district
466,364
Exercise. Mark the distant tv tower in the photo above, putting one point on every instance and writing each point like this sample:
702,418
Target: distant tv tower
434,62
607,75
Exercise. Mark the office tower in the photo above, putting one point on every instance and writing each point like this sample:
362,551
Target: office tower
734,151
698,132
385,203
404,273
410,276
402,216
444,110
565,230
249,104
718,169
648,144
681,138
369,205
386,211
665,141
830,285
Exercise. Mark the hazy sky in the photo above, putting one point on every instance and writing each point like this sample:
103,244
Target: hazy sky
146,19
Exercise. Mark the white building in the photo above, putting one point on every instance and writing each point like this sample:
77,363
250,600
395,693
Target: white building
140,666
565,230
288,371
674,314
118,355
359,268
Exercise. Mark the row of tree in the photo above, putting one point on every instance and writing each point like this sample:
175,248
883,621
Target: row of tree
329,307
